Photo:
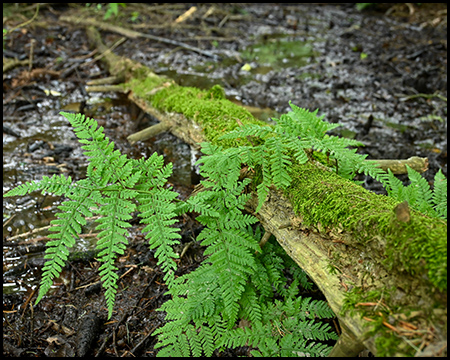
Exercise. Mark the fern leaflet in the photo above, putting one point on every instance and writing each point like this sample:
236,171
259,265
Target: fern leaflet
440,194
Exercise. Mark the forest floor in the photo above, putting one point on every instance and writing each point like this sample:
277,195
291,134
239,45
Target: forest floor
381,73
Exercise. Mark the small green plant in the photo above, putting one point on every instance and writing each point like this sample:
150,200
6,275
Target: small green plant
419,194
5,33
134,16
296,134
113,10
362,6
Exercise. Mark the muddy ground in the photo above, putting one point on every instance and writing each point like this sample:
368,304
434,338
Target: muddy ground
381,73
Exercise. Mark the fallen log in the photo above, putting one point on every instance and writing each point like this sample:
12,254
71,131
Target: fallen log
384,278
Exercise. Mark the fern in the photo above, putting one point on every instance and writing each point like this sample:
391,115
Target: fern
293,134
419,194
112,185
234,283
440,194
288,328
230,247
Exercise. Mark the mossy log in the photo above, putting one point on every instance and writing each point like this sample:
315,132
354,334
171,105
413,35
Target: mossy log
384,278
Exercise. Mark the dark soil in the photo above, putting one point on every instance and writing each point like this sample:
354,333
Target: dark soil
372,71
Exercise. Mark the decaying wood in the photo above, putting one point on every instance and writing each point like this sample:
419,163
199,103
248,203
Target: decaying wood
399,166
110,80
9,64
313,249
148,132
185,129
104,88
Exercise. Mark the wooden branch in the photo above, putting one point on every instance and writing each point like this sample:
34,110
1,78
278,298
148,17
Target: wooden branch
9,64
110,80
135,34
148,132
105,88
399,166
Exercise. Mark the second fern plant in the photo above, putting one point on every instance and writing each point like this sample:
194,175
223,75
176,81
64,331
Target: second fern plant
112,182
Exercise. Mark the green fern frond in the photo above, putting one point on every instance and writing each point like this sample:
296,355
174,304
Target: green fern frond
440,194
112,185
260,131
311,125
280,163
419,194
112,241
206,337
221,166
250,305
105,164
394,187
158,212
231,257
268,273
282,334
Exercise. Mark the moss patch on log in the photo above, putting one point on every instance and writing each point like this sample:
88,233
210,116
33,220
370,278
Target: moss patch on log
322,198
209,108
325,200
416,252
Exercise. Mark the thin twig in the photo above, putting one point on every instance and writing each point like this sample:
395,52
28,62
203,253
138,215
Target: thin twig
135,34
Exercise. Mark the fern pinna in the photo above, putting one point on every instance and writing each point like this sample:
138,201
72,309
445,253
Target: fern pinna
113,182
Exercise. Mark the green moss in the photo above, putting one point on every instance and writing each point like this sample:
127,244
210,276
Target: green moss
143,85
358,295
209,108
418,247
323,197
387,342
426,250
217,92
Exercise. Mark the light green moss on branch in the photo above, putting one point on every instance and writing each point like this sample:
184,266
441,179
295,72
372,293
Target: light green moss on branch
209,108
